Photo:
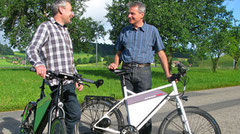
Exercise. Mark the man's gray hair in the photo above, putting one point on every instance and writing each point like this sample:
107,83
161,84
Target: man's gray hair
140,5
57,4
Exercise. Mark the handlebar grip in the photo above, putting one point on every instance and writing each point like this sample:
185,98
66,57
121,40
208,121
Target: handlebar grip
33,69
88,80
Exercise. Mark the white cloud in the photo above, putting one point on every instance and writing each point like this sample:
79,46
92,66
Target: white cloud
96,9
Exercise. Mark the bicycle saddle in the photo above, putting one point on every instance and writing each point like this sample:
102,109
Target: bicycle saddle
120,71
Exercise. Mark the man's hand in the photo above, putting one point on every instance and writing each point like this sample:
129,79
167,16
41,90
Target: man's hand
169,78
79,87
113,66
41,70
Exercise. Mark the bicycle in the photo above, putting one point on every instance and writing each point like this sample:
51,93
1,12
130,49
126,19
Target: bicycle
101,114
47,110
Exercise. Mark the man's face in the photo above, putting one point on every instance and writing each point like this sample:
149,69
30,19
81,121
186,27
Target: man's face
67,13
134,16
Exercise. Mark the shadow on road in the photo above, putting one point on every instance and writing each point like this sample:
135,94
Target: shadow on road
9,125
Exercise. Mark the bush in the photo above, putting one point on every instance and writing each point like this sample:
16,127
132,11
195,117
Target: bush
5,50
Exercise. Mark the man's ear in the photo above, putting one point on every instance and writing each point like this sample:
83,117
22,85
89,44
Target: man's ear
60,10
142,14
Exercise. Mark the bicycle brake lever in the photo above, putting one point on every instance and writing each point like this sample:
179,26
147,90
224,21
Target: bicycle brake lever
86,85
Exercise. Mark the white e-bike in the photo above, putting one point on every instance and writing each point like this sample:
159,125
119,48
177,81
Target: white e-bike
101,114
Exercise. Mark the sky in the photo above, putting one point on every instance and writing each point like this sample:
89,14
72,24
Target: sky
97,10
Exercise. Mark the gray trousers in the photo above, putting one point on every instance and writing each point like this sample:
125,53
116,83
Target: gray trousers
139,80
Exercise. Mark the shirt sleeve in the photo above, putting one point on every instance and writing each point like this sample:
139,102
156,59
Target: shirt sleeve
35,46
158,43
119,45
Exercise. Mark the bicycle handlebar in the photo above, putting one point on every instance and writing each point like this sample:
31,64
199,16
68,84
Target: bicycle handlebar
65,76
181,73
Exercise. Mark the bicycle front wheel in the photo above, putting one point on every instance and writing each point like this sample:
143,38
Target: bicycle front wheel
26,126
200,122
58,126
92,111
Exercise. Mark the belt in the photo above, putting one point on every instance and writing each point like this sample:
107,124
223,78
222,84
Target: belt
136,64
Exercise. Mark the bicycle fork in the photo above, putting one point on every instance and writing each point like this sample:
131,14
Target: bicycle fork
181,112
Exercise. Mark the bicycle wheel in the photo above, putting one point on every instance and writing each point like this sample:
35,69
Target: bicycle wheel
93,110
200,122
26,126
58,127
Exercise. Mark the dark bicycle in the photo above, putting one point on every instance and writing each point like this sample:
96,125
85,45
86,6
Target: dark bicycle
47,110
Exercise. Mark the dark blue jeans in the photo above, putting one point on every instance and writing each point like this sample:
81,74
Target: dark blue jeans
71,106
139,80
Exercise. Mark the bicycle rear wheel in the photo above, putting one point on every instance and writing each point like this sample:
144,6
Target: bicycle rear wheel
92,111
200,122
58,126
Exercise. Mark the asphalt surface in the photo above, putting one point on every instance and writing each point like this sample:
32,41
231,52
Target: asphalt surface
222,103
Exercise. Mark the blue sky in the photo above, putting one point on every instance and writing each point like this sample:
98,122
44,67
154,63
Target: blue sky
234,5
100,5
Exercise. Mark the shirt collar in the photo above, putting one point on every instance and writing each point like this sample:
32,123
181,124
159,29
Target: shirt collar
55,22
142,28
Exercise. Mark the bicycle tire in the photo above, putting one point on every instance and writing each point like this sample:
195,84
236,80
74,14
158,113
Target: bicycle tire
93,110
58,126
26,126
200,122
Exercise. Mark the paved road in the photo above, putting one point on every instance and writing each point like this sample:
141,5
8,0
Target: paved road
222,103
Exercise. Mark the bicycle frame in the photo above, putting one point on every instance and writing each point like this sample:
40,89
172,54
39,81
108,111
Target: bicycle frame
44,109
151,101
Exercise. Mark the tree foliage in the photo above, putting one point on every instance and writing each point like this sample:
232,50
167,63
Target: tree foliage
181,23
234,44
5,50
20,18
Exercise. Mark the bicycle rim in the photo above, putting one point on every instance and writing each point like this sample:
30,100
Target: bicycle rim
92,111
200,123
58,127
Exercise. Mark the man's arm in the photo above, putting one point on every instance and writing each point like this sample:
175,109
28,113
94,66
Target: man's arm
34,50
116,61
163,58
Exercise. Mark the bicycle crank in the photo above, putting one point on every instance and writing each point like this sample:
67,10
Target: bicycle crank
129,129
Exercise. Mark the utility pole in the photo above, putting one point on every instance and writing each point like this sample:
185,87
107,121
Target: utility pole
96,52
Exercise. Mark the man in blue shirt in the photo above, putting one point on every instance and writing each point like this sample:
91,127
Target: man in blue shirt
136,47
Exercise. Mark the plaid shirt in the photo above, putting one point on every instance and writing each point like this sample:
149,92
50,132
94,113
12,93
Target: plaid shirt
52,46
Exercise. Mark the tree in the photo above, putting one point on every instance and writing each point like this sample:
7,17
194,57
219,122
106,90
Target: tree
234,45
180,23
19,20
215,37
5,50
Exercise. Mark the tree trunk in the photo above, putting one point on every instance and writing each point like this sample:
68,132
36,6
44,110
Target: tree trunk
235,63
169,57
215,63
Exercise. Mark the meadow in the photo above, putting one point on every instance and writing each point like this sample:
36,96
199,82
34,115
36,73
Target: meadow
18,85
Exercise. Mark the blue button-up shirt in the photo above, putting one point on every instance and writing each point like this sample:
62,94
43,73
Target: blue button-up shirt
139,45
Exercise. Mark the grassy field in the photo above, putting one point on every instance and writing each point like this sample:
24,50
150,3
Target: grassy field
19,86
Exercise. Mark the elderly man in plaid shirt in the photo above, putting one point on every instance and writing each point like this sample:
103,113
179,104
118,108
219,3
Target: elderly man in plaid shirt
51,49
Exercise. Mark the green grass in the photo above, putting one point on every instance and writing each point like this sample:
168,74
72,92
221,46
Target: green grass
19,86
